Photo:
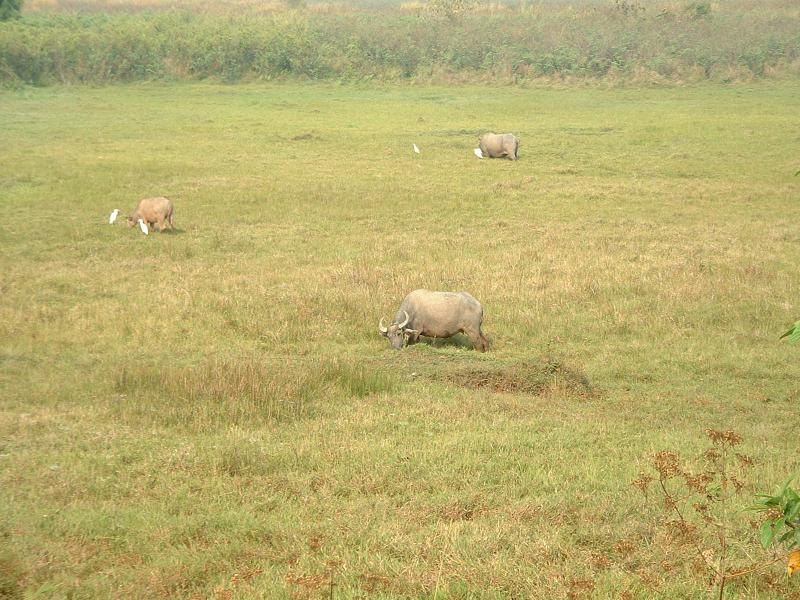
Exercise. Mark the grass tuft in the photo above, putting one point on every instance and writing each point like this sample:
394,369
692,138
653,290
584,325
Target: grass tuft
360,381
10,576
219,392
239,458
245,391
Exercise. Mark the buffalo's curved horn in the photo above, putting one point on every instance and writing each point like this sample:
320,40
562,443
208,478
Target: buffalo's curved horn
404,323
382,328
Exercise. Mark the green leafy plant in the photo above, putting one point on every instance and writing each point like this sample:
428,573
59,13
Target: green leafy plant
794,333
10,9
782,525
783,517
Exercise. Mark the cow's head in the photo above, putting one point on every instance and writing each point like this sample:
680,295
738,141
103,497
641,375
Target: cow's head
397,333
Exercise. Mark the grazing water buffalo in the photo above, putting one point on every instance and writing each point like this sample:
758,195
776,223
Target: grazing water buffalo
153,210
495,145
436,315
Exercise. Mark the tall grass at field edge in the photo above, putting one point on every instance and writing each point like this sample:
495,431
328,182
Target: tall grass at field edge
661,44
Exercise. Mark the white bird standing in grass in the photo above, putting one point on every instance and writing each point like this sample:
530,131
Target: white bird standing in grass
416,149
478,152
143,227
113,216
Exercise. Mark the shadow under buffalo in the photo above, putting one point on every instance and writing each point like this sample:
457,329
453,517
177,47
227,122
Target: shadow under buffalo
457,341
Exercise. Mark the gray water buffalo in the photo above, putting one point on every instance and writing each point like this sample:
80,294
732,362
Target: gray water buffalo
153,210
436,315
496,145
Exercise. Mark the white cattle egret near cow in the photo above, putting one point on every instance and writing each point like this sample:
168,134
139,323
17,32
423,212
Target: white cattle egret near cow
143,227
416,149
478,152
113,216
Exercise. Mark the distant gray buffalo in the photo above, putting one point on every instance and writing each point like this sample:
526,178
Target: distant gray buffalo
496,145
153,210
436,315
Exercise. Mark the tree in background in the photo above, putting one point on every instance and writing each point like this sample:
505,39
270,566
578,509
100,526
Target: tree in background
10,9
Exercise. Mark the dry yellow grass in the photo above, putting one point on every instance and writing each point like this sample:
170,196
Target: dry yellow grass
212,413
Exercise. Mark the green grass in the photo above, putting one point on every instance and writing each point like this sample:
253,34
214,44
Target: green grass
212,413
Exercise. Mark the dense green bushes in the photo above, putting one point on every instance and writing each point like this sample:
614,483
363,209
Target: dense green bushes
10,9
592,42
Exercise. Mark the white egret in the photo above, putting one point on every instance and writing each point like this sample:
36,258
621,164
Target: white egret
478,152
143,227
416,149
113,216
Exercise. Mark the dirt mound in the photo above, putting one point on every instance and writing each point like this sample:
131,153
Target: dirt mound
535,377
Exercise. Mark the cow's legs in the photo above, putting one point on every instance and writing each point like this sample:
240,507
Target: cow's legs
483,342
413,338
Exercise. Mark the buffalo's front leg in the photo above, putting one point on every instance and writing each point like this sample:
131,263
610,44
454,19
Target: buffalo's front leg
413,338
478,341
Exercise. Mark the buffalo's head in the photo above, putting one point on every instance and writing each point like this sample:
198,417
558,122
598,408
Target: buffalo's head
397,333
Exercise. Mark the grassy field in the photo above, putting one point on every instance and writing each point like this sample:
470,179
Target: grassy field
211,413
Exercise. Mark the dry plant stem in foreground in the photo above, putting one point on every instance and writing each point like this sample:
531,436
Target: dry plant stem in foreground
709,493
